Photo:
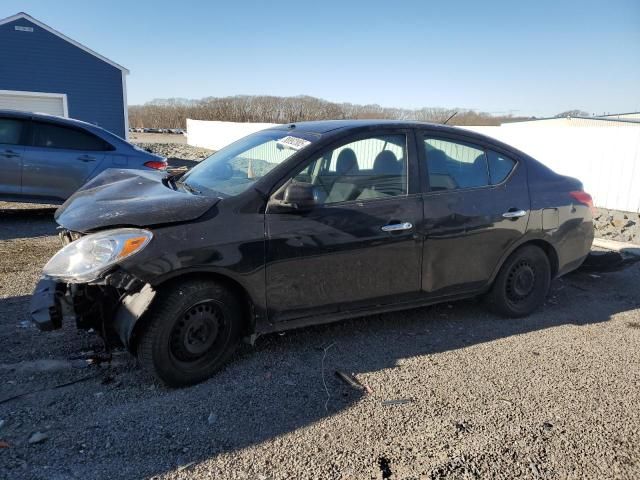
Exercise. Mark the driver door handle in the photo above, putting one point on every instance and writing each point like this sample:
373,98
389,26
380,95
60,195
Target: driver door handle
86,158
9,154
514,214
397,227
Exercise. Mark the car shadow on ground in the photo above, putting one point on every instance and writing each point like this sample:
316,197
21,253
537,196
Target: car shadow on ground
27,222
284,383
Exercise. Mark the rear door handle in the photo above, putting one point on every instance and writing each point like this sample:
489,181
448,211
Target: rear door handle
86,158
514,214
10,154
397,227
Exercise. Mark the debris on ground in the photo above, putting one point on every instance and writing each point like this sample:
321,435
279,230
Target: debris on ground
462,427
211,419
185,466
38,437
397,401
350,380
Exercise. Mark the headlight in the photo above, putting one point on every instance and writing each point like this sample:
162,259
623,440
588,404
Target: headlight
83,260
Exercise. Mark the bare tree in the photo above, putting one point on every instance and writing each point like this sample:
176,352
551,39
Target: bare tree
173,112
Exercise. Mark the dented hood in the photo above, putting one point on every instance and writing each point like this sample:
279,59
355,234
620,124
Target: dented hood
129,198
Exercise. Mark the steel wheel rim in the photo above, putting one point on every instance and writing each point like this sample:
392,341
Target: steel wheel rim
521,281
198,334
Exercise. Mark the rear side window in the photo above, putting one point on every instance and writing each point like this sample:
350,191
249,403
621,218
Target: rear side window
11,130
499,166
56,136
454,165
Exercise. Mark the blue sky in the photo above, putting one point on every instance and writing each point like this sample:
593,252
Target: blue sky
531,58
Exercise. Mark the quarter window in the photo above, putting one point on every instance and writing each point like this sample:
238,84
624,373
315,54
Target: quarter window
11,130
367,169
499,166
56,136
454,165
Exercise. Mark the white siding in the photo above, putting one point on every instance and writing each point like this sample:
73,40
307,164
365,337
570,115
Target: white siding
53,104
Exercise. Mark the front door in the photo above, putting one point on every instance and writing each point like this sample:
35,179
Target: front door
59,160
476,207
12,135
358,246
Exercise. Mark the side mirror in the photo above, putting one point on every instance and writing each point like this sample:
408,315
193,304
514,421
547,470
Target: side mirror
299,196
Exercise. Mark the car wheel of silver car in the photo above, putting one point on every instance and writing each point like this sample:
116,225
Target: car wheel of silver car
192,329
522,283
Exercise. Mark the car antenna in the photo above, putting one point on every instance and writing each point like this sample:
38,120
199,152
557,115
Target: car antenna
454,114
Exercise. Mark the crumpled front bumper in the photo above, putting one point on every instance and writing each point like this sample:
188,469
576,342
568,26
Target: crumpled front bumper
115,306
47,304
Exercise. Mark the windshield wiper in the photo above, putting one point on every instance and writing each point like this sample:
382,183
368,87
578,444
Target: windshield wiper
172,178
188,187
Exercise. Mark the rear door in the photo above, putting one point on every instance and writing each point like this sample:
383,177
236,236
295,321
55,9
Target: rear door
59,159
13,132
476,206
358,246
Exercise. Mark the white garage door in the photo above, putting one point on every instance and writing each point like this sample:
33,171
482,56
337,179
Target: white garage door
51,103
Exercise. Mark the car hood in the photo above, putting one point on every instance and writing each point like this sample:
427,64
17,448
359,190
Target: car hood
129,198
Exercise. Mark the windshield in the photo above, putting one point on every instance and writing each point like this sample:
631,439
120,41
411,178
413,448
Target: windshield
236,168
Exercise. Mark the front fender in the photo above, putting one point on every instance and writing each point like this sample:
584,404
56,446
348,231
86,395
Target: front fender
129,311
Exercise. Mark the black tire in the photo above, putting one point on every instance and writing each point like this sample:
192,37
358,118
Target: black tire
522,283
191,330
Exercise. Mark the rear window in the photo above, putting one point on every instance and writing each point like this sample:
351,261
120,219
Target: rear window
11,130
56,136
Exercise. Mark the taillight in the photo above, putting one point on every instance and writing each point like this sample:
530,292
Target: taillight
584,198
156,164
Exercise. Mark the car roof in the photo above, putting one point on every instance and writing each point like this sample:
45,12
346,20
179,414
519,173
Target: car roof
335,127
322,127
45,116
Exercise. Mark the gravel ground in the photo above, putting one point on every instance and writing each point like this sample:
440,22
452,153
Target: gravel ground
178,154
554,395
136,137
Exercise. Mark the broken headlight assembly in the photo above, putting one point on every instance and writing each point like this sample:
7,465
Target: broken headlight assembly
85,259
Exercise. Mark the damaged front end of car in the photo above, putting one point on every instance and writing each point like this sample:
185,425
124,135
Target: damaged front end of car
84,283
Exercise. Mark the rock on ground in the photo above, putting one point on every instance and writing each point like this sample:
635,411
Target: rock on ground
617,225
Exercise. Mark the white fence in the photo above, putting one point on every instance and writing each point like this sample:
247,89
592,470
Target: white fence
606,160
215,135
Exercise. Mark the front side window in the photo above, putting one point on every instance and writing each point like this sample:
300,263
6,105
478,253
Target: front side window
454,165
11,130
235,168
49,135
367,169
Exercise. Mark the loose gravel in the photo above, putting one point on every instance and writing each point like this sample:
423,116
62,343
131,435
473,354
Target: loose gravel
455,392
178,154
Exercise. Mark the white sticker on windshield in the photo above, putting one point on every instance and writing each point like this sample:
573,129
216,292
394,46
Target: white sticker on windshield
294,143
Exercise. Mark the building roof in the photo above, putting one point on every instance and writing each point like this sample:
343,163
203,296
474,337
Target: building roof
625,114
28,17
609,120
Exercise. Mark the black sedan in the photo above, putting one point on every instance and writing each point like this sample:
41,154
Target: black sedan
304,224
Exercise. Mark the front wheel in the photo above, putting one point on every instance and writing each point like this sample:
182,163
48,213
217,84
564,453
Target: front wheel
522,283
193,328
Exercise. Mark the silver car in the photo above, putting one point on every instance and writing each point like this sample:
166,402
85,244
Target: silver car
45,159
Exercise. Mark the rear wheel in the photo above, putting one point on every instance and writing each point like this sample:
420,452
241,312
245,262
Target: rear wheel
193,328
522,283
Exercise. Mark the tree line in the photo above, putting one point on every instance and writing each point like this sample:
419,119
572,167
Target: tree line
172,113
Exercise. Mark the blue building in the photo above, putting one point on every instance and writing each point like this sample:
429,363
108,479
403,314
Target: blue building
43,70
